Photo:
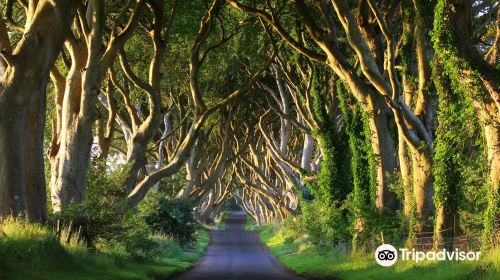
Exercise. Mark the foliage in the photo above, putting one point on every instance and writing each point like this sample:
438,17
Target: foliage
457,138
105,221
171,186
334,179
103,213
324,225
457,91
364,183
337,206
173,217
319,224
26,242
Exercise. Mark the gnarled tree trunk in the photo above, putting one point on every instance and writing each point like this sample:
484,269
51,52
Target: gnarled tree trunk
65,186
23,83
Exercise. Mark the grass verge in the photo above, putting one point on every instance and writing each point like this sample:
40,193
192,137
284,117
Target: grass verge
305,258
30,251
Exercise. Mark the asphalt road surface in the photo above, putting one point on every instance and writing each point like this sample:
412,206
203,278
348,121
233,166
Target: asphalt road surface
236,254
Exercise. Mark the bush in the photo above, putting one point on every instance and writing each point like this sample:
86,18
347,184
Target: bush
173,217
380,226
107,223
134,242
321,225
103,212
325,224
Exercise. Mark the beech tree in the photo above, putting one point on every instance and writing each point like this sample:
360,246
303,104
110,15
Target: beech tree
72,141
22,94
474,74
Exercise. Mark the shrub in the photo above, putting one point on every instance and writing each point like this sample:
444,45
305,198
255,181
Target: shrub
134,242
103,212
172,217
325,225
107,223
321,225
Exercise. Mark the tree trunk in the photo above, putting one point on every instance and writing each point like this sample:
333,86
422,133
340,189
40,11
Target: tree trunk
405,177
286,126
136,160
76,135
192,173
65,188
444,228
384,151
36,193
161,149
12,179
423,188
492,136
24,82
70,185
307,150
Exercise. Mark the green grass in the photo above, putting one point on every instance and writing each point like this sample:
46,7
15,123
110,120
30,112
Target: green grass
305,258
29,251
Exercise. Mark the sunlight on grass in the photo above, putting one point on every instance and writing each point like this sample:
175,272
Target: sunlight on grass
30,251
306,258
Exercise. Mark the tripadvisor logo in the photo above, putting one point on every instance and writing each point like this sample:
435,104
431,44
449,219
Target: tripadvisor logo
387,255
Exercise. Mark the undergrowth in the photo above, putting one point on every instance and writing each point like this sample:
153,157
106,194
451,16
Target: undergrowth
32,251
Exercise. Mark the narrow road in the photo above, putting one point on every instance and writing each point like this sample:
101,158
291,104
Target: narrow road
236,254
